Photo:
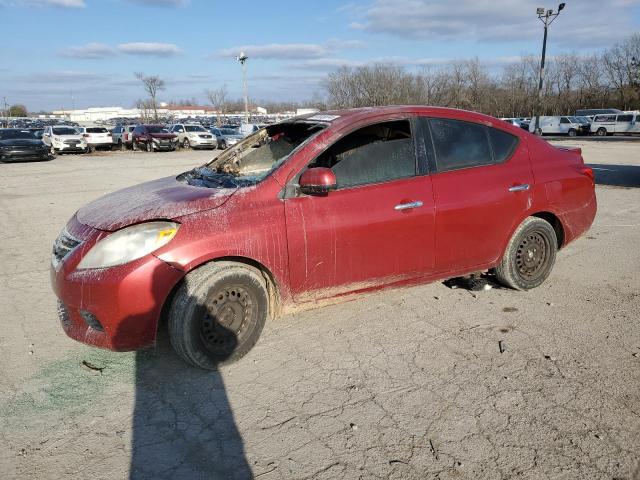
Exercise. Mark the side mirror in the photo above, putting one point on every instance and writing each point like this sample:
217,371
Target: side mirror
317,181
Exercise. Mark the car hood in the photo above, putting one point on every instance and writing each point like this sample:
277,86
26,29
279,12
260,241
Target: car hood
162,135
165,198
21,142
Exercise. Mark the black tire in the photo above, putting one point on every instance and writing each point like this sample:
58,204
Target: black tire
186,143
90,149
206,309
121,146
602,132
222,145
530,255
52,150
134,146
149,146
572,132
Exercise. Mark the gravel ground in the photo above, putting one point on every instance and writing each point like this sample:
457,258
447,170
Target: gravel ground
402,384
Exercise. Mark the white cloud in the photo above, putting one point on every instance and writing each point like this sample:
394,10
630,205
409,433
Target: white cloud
149,49
291,51
101,50
588,22
90,50
44,3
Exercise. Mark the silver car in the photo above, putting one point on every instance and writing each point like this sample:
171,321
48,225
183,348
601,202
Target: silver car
226,136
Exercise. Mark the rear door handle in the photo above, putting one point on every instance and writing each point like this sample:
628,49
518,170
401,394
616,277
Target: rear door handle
405,206
519,188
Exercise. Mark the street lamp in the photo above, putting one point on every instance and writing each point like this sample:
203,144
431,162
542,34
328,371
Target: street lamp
242,58
547,17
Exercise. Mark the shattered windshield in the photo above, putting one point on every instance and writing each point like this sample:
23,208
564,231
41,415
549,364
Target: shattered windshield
252,159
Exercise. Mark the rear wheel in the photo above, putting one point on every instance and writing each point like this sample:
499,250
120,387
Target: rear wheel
602,132
572,132
223,145
530,255
149,147
186,143
218,313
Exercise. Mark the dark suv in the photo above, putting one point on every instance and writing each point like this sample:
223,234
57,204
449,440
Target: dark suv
153,137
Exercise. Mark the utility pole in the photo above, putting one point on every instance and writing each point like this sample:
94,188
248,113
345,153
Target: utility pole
547,17
242,58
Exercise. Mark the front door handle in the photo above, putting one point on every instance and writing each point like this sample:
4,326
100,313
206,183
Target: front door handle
519,188
406,206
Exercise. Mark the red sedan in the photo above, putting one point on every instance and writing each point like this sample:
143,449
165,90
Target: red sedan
315,207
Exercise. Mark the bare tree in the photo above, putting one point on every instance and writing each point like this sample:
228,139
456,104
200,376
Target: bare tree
152,85
219,98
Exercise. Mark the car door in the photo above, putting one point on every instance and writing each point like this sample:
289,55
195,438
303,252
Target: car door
376,228
482,190
623,123
46,136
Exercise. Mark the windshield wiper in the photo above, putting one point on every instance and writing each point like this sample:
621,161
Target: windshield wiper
205,177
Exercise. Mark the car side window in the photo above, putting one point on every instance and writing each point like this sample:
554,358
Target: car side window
374,154
459,144
564,120
625,118
503,144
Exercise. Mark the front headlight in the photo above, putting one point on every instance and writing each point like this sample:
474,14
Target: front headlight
128,244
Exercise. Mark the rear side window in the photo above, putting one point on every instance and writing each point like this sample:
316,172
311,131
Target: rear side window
503,144
625,118
459,144
374,154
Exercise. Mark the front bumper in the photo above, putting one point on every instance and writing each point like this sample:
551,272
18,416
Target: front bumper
65,147
23,155
126,300
202,142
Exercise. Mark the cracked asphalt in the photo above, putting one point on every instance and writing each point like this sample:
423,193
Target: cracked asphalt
418,383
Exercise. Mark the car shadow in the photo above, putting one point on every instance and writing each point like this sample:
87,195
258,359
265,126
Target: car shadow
183,426
616,175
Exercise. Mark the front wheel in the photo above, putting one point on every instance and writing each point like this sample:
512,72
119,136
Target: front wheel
218,313
223,145
530,255
149,147
572,133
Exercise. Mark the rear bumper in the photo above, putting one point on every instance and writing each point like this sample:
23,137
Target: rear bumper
126,300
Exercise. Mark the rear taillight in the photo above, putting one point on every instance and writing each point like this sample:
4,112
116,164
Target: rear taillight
588,172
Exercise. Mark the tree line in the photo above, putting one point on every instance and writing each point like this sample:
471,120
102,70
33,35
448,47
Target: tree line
610,79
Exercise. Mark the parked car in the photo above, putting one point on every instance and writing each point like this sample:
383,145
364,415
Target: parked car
193,136
317,207
64,139
247,129
550,125
96,137
17,145
609,124
122,136
584,123
153,137
226,137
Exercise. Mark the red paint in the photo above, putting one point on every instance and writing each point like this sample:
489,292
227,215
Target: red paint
317,246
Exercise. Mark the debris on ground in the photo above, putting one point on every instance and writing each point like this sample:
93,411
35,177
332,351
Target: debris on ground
472,283
92,367
509,309
501,346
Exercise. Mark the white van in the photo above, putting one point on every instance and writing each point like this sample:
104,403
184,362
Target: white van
557,126
609,124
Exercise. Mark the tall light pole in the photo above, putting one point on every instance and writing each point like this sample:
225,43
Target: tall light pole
547,17
242,58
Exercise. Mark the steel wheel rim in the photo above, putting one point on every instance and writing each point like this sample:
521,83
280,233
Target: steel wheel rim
532,255
226,318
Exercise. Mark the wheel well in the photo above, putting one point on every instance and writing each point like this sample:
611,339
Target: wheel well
555,223
272,286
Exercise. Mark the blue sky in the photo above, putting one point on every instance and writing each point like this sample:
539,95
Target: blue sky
83,53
